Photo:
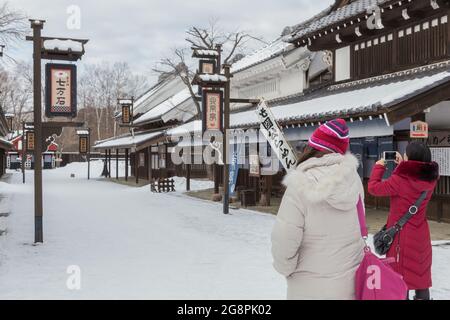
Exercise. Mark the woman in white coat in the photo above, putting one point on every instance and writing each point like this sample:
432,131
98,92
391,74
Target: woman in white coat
316,241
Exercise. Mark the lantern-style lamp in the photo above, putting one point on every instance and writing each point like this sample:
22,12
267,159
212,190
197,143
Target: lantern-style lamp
9,120
83,136
127,110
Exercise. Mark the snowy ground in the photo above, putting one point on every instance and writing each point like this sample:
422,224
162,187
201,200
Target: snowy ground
132,244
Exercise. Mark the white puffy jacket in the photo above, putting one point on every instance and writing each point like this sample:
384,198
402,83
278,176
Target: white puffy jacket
316,241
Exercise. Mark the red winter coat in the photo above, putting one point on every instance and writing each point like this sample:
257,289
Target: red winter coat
404,187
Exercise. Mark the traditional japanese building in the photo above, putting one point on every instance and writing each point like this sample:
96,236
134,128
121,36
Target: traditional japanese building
5,145
146,148
390,78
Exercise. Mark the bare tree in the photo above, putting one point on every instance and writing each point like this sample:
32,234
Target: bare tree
12,26
16,92
100,85
233,45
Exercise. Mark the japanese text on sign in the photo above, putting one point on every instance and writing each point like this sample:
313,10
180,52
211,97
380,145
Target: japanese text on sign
61,90
83,145
30,141
213,110
275,137
126,119
442,157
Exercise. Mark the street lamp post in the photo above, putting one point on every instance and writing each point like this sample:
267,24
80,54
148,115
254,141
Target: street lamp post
226,127
2,47
41,51
85,146
37,26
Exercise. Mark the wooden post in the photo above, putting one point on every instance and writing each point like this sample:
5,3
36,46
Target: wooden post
117,164
226,126
37,115
188,177
23,152
126,164
89,154
109,161
216,178
136,166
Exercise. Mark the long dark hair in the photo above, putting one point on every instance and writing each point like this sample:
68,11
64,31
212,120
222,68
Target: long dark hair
418,151
309,152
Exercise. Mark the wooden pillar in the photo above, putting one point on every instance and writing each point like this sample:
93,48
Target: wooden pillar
136,166
117,164
216,178
126,164
267,191
188,177
150,165
106,163
109,162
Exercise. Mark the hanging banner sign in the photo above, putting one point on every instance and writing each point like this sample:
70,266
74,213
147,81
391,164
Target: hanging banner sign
419,130
255,166
234,165
212,110
61,90
275,136
30,141
83,145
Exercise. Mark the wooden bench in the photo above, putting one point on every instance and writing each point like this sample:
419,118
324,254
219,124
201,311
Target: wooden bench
163,185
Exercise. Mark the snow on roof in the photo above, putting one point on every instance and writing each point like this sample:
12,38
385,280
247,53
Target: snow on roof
127,141
269,51
207,52
189,127
166,106
5,143
347,102
82,132
212,78
63,45
339,15
125,101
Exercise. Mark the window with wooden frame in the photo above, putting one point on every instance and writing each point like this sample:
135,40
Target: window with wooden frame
407,47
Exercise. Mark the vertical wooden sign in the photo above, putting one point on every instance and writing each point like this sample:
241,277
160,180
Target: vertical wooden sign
213,110
61,90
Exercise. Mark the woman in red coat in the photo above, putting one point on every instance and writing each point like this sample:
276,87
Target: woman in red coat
411,248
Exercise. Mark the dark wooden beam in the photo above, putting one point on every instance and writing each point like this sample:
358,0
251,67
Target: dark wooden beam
419,103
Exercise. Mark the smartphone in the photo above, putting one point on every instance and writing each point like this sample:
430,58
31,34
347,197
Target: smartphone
390,156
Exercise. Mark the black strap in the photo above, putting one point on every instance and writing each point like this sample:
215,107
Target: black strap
412,211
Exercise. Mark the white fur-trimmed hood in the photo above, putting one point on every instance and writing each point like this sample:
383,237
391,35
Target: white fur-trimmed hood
332,178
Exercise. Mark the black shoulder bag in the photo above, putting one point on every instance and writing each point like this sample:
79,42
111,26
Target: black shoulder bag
383,240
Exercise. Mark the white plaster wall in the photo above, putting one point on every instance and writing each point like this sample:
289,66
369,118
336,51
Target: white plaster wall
342,64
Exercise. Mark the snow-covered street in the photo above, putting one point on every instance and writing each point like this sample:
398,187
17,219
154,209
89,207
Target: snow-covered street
132,244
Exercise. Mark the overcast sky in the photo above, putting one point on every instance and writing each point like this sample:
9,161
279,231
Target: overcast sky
140,32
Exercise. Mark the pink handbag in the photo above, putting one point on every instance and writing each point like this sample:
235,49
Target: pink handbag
375,279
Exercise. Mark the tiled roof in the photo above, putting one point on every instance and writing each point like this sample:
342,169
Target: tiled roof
340,15
266,53
163,108
127,141
374,95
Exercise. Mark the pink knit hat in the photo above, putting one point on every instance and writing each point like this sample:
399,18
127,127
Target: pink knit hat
332,136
